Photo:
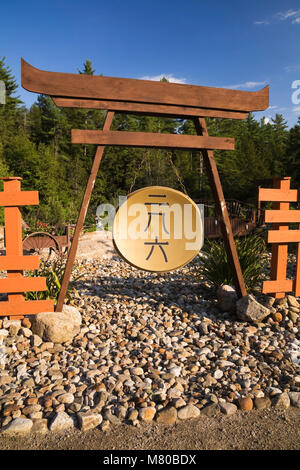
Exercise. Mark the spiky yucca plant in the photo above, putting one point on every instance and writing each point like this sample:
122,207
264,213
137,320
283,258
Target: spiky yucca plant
251,251
53,272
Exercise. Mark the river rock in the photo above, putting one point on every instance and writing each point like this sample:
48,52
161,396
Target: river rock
248,309
89,420
292,301
227,298
40,426
18,426
167,415
188,412
261,403
57,327
295,399
147,414
211,410
228,408
245,404
61,422
281,400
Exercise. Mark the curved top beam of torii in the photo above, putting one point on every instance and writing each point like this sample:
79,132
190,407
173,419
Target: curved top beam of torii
82,86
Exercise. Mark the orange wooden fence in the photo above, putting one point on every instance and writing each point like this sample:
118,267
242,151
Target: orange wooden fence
281,217
15,284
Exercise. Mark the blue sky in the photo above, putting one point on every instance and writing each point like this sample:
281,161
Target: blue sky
230,44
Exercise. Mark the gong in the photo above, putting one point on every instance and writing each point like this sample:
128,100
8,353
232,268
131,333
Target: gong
158,229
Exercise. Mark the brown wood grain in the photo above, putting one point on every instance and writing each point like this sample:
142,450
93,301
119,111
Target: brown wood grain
25,284
19,262
28,307
147,139
282,216
148,109
225,225
283,236
81,216
283,285
145,91
23,198
278,195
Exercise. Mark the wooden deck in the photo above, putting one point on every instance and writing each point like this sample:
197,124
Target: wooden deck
243,218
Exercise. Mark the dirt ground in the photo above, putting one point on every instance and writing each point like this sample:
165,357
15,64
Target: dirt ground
271,429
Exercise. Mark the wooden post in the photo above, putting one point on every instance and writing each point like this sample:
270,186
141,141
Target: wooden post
280,250
222,212
81,216
14,262
281,216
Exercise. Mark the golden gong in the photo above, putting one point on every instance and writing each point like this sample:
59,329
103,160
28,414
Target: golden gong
158,229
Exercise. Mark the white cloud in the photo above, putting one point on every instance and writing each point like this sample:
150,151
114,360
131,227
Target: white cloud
246,85
296,109
293,15
261,22
267,120
272,107
168,76
288,14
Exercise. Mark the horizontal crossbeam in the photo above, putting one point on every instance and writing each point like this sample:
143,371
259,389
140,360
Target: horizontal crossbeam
285,285
22,198
284,236
141,91
278,195
19,262
28,307
25,284
148,109
282,216
148,139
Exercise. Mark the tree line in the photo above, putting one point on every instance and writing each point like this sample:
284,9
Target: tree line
36,144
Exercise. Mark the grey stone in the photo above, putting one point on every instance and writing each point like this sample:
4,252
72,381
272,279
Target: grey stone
167,415
248,309
61,422
292,301
40,426
295,399
57,327
18,426
89,420
227,298
66,398
228,408
281,400
35,340
188,412
261,403
147,414
211,410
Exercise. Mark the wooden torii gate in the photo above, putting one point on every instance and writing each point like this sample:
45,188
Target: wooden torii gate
149,98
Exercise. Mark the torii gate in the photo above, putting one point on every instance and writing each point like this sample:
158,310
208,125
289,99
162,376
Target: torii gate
149,98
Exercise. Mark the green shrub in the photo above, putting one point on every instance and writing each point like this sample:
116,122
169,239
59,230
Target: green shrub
53,272
251,251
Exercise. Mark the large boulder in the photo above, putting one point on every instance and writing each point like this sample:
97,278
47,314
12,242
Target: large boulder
227,298
248,309
57,327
